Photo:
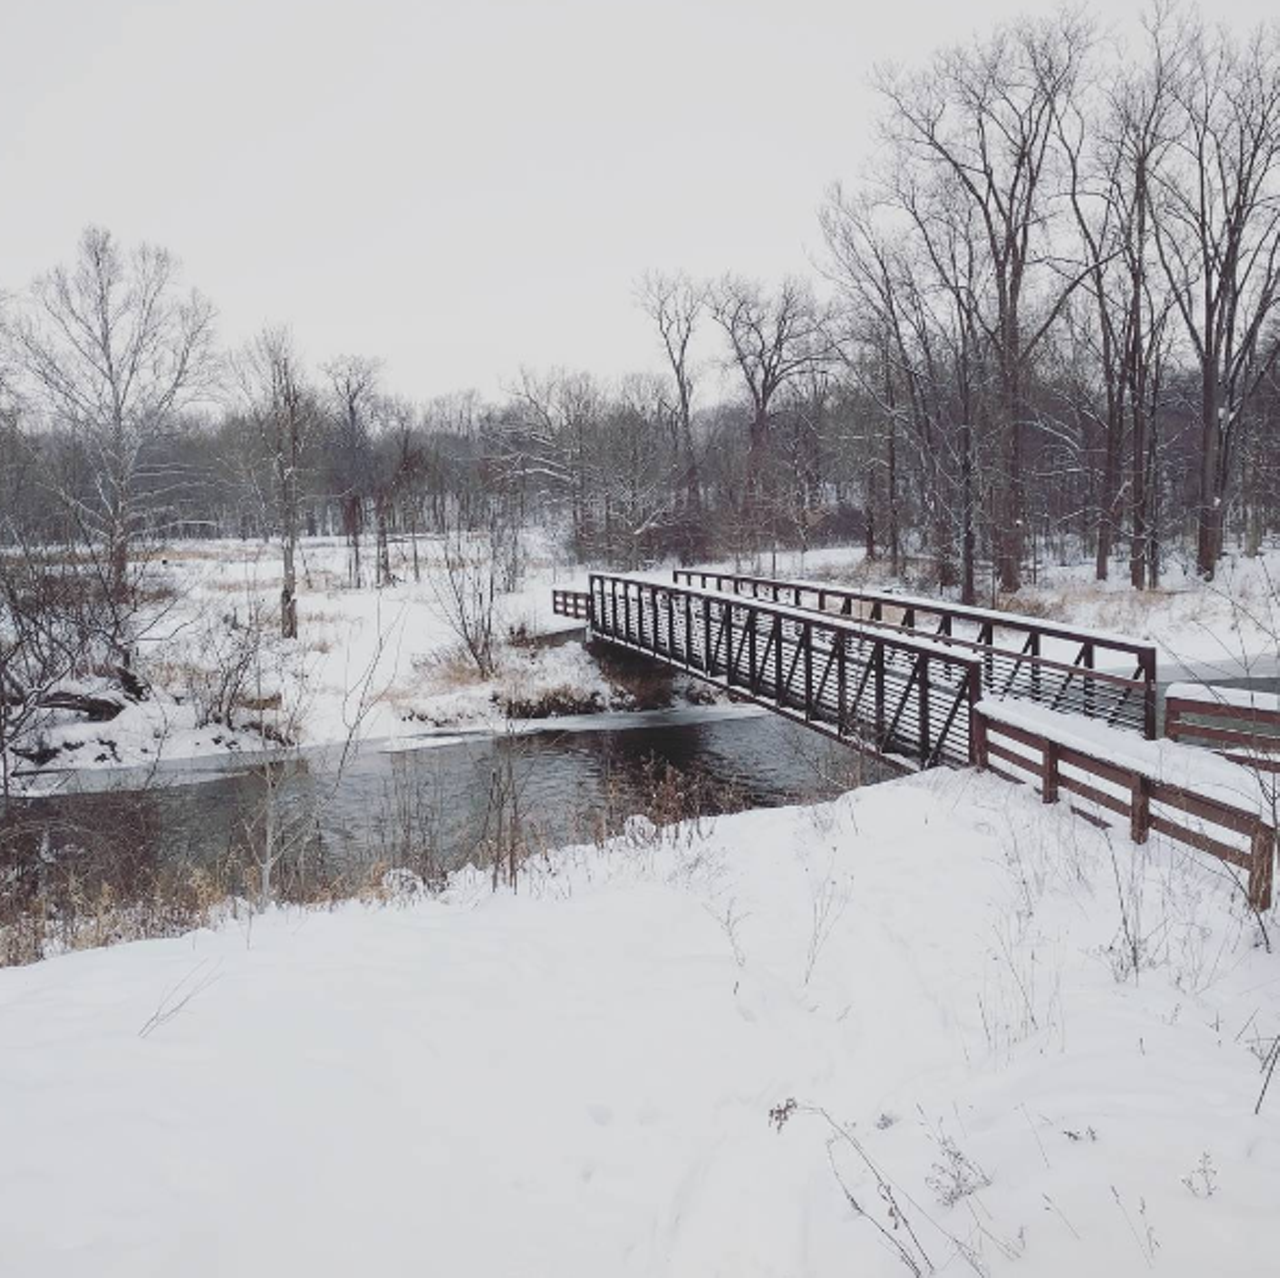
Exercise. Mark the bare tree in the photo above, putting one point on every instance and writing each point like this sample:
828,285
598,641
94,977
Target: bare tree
1217,232
113,352
272,381
773,339
982,119
353,380
675,304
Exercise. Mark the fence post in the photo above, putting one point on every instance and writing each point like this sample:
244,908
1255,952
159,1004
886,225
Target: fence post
978,737
688,630
753,679
1148,666
1049,774
1261,848
1140,809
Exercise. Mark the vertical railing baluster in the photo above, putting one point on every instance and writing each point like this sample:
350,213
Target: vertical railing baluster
925,751
877,660
807,639
842,689
777,660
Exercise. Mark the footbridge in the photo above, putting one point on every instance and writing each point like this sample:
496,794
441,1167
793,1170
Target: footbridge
921,683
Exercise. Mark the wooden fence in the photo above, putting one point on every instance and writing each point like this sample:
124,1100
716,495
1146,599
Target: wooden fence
1231,728
1141,791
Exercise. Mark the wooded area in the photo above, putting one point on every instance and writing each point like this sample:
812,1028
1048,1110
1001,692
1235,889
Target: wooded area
1047,327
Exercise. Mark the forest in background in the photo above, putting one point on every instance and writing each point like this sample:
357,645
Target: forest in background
1046,325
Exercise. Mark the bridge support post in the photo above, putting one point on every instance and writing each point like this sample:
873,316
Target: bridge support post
977,724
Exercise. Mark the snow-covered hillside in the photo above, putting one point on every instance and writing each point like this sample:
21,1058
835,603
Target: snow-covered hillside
578,1079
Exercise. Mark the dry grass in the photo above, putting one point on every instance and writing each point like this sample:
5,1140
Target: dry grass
446,670
252,583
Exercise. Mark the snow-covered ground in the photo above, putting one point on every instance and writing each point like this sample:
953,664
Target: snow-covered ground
379,663
386,664
577,1079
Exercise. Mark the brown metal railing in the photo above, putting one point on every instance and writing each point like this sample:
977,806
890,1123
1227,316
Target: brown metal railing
903,696
571,603
1009,646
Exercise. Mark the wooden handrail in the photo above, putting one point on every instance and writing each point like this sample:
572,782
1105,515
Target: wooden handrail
1144,789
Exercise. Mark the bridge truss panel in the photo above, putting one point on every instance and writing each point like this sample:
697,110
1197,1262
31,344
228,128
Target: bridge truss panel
1023,657
906,699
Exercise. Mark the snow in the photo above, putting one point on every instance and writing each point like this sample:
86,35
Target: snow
1238,698
379,664
1171,762
576,1079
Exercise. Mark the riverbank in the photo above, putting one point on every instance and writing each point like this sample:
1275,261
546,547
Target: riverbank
388,663
1014,1045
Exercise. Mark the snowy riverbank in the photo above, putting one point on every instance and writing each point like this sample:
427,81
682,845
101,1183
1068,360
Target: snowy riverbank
385,664
578,1078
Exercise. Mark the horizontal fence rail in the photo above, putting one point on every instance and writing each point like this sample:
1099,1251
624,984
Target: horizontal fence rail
571,603
1133,794
1245,730
906,698
1010,647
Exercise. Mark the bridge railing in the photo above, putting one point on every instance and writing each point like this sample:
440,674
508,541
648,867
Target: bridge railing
571,603
905,697
1010,647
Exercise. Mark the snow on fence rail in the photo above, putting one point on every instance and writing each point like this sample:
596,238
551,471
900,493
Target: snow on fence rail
1244,726
905,696
1155,784
1024,657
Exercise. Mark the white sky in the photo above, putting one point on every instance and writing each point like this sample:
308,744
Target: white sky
458,188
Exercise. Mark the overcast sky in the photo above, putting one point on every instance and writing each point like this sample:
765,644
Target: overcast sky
457,188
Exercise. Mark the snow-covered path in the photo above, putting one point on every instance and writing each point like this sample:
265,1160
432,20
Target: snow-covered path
577,1080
